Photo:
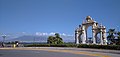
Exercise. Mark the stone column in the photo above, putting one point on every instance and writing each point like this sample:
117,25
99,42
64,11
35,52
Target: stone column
105,39
94,33
76,37
101,38
84,35
93,36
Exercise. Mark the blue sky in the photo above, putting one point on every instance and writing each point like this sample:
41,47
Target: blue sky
61,16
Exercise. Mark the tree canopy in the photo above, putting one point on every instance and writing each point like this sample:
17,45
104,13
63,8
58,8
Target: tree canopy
55,39
112,35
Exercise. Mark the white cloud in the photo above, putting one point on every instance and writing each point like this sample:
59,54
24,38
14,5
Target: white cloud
63,34
45,33
40,34
52,33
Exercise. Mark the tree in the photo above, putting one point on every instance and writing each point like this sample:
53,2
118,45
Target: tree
55,40
111,36
118,40
57,35
50,39
59,39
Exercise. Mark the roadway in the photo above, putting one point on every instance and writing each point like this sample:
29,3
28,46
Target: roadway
56,52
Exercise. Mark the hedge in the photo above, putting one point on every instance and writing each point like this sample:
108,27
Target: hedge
51,45
112,47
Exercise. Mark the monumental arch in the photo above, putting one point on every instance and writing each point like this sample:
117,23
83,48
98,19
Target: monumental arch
81,32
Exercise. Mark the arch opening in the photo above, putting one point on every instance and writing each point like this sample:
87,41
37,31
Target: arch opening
89,34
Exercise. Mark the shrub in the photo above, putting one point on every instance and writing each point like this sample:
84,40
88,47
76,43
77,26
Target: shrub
38,45
112,47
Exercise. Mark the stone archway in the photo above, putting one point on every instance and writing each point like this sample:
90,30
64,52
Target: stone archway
81,32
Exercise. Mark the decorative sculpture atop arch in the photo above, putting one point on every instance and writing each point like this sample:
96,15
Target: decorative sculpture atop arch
81,32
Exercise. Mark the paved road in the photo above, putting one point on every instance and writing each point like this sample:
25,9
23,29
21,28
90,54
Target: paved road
53,52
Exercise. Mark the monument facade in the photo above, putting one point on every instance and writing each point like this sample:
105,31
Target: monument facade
81,36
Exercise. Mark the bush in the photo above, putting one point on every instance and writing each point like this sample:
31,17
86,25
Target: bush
112,47
38,45
51,45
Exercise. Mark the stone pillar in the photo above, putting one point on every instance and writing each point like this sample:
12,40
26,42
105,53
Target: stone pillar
93,36
105,39
76,37
101,38
94,33
84,35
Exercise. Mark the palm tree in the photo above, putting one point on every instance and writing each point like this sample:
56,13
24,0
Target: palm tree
50,40
111,36
4,36
118,40
3,43
55,40
57,35
59,39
